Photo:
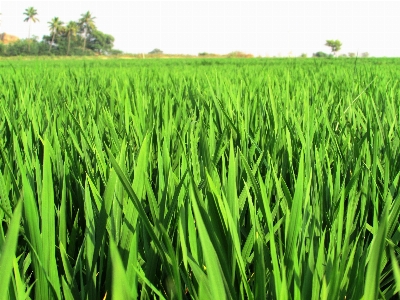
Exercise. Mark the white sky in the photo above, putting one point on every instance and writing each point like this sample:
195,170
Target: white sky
274,28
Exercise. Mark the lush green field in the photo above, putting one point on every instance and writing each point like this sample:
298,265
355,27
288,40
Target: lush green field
200,179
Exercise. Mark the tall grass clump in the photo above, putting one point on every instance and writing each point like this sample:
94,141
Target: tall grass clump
200,179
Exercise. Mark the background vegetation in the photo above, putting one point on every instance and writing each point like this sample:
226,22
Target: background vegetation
74,38
82,38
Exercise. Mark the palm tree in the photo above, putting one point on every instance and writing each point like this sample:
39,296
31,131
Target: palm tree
71,30
30,14
87,24
55,26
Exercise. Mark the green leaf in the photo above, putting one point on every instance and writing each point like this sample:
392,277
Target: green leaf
7,252
377,250
48,221
212,264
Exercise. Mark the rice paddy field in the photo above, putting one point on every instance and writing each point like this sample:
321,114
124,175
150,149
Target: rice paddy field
200,179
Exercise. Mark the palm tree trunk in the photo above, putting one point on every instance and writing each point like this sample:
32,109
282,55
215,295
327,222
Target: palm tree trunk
29,37
84,41
52,41
69,42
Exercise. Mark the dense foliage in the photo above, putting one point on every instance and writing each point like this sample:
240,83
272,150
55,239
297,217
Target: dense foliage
97,43
75,38
200,179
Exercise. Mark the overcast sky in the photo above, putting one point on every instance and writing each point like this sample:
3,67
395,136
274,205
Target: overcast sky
273,28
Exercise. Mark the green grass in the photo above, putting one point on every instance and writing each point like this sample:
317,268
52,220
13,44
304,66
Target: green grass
200,179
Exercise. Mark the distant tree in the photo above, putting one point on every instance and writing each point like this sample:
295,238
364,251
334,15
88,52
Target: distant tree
335,45
100,42
156,51
86,23
365,54
70,30
30,14
239,54
303,55
116,52
55,27
208,54
352,54
62,40
321,54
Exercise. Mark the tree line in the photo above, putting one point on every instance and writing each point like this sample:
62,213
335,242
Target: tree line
73,38
335,46
83,38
